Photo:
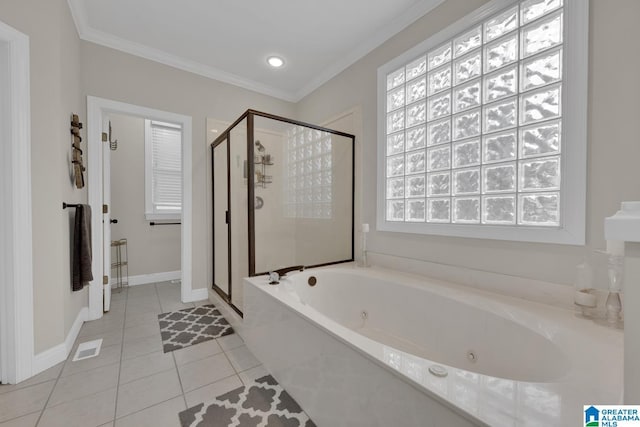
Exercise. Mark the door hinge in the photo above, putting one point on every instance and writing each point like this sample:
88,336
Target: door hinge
105,209
105,280
105,137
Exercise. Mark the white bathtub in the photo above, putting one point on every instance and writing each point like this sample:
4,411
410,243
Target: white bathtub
509,362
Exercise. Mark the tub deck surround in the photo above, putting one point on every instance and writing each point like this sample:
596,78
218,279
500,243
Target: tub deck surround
539,291
361,341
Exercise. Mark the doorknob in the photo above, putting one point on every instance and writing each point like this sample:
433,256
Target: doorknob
113,221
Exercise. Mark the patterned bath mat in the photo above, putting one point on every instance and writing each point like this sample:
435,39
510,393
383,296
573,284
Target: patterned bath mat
189,326
263,403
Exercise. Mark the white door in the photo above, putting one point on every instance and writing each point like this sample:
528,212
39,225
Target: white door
106,215
5,196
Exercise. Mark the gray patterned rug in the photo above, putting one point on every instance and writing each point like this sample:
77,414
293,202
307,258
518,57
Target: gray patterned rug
191,326
263,403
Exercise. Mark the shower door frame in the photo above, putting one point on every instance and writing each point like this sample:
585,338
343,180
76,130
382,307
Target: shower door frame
225,136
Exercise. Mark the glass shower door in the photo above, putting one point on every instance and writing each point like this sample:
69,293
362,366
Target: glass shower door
230,218
305,216
282,196
221,240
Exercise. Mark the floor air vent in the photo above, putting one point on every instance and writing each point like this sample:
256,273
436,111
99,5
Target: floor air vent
87,350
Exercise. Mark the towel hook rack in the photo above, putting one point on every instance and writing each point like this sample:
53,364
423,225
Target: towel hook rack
69,205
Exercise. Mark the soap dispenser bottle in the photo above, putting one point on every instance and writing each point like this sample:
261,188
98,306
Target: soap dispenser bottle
584,298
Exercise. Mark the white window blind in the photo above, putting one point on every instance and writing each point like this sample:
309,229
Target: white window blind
163,187
473,129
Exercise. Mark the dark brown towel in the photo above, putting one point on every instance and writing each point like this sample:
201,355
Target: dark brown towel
82,248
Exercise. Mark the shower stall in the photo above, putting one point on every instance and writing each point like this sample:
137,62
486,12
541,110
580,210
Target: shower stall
282,195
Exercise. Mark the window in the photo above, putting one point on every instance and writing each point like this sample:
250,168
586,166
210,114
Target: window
308,173
163,170
482,128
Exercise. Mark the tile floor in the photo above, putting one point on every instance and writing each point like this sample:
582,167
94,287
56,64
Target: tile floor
132,382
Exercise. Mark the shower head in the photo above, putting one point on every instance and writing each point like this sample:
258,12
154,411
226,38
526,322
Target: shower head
260,146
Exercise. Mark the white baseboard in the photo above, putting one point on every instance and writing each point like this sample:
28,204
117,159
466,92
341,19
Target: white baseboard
51,357
154,277
198,295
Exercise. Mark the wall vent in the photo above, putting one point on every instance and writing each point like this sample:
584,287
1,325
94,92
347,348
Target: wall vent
87,350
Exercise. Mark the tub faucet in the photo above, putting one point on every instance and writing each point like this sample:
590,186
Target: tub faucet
276,275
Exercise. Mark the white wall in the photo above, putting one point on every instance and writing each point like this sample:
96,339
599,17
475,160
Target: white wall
614,89
152,249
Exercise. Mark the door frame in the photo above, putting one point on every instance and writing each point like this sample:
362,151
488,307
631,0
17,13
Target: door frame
16,276
97,110
106,231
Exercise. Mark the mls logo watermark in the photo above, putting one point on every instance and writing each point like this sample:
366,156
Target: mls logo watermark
591,417
611,415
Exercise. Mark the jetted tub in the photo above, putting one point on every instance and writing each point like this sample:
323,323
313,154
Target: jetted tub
368,347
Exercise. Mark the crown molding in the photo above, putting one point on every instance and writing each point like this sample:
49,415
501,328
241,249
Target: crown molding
80,16
410,16
87,33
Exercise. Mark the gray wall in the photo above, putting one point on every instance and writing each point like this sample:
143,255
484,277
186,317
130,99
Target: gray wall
151,249
614,90
55,94
122,77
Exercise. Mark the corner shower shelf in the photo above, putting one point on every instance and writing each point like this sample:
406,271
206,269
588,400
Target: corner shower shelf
264,160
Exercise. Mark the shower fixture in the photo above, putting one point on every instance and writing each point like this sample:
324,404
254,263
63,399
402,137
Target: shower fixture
260,146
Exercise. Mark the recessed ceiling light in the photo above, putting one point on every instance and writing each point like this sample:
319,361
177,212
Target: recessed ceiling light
275,61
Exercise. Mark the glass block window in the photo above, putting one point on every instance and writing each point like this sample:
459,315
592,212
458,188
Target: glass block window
308,173
473,126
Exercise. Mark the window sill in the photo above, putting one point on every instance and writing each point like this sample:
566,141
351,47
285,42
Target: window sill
556,235
162,216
